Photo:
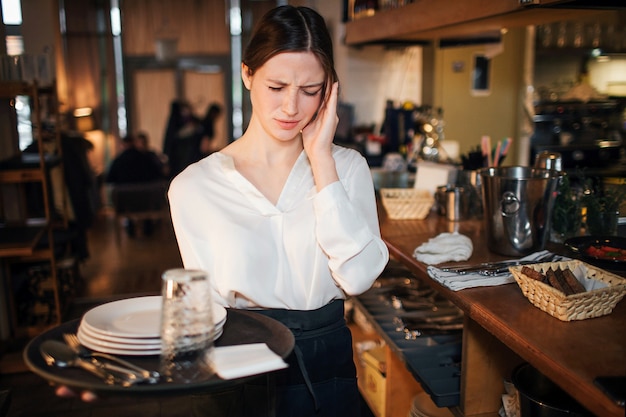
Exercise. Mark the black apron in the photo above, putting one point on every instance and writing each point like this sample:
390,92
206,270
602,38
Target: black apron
320,379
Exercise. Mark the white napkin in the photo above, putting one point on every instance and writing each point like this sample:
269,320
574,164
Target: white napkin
244,360
444,248
457,282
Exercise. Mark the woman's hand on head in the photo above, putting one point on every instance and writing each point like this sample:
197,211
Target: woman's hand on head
317,139
318,135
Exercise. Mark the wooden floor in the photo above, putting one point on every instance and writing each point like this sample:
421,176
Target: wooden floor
130,266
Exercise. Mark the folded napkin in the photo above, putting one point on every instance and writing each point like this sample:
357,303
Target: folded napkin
444,248
244,360
457,282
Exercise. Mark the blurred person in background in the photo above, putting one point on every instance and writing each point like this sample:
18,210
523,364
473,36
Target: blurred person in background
136,164
182,137
207,143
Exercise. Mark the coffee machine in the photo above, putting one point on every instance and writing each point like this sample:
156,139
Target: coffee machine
588,135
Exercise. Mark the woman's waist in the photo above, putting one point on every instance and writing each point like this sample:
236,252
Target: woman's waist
268,295
327,317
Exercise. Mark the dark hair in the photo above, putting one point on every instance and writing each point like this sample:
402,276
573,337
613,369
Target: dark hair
291,29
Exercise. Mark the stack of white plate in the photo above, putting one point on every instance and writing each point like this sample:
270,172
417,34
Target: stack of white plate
131,326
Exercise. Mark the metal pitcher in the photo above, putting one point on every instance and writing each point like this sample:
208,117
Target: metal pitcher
518,203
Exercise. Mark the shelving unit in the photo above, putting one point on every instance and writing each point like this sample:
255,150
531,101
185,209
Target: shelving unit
26,236
427,20
400,385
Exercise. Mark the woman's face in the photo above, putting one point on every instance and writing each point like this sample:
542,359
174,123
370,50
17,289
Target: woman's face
286,93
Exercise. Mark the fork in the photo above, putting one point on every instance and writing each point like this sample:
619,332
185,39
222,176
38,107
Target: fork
78,362
550,257
496,268
73,342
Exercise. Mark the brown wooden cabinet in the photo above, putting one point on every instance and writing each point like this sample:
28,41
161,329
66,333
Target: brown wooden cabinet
400,386
502,329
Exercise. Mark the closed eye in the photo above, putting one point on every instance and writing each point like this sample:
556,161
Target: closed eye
312,93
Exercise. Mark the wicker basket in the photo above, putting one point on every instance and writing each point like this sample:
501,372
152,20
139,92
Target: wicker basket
406,203
593,303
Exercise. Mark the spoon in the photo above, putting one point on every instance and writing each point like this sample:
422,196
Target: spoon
122,366
56,353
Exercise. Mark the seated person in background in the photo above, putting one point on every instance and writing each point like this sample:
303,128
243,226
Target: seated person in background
136,164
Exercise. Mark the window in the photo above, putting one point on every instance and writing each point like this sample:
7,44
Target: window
12,19
481,76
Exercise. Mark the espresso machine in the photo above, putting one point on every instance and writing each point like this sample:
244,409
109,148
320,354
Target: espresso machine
588,135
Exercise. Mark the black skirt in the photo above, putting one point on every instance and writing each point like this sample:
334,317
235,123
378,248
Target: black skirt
320,379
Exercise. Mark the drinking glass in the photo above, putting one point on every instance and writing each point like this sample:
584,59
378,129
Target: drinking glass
602,222
186,326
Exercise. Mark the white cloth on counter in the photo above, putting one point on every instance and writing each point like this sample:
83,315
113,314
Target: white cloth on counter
455,281
237,361
445,247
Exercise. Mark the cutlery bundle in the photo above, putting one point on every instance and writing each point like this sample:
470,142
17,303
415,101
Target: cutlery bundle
496,268
56,353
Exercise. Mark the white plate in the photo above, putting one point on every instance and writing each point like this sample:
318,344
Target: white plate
125,350
134,318
88,331
129,318
89,341
133,343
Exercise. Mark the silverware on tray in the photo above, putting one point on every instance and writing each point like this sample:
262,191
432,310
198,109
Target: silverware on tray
57,353
108,361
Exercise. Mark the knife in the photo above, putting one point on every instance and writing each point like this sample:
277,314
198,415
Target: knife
502,266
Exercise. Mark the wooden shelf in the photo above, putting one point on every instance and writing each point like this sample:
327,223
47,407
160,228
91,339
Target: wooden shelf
22,88
32,240
18,241
428,20
21,175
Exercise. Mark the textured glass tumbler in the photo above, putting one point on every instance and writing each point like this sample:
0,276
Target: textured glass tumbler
186,326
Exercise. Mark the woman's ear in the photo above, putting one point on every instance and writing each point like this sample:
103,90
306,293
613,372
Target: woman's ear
245,75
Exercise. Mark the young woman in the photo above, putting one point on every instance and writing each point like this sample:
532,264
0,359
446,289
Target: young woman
283,220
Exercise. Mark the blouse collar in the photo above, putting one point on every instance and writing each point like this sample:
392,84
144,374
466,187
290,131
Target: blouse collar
298,185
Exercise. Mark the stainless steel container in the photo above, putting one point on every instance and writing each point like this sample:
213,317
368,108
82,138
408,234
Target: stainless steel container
518,204
453,202
471,181
549,160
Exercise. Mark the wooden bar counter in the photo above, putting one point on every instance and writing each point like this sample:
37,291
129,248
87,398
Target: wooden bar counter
503,329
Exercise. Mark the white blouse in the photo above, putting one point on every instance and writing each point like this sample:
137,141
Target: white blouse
305,251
